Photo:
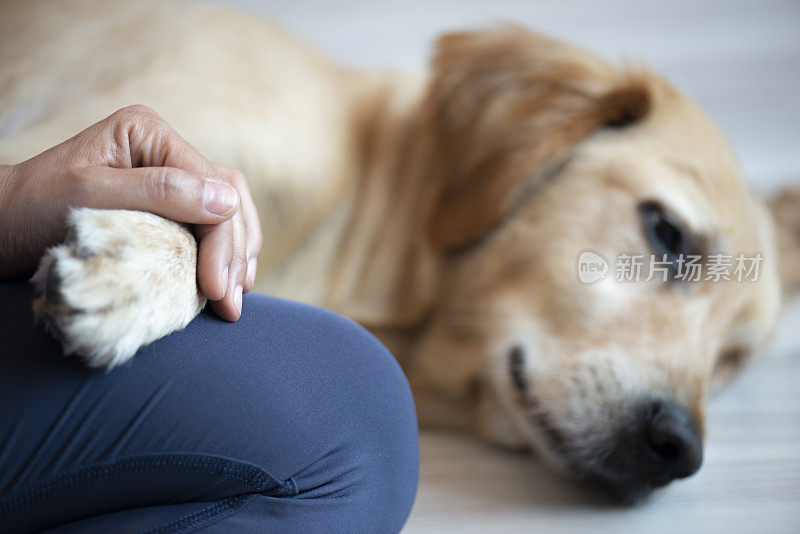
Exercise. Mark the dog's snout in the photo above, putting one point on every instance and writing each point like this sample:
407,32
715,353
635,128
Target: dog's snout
673,441
659,444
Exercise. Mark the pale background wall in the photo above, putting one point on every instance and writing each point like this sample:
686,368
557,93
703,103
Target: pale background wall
741,61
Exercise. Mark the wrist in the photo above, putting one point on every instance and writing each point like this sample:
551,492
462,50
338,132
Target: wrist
6,176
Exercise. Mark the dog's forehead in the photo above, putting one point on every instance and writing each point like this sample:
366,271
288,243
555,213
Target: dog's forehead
679,156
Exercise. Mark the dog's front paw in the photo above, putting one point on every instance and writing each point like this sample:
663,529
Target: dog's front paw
121,279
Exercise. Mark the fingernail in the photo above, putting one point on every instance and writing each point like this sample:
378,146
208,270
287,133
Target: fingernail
224,280
218,198
251,270
237,298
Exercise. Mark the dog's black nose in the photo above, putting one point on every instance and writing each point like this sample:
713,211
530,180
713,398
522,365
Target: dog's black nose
673,441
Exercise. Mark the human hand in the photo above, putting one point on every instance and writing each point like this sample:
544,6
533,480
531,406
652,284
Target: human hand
134,160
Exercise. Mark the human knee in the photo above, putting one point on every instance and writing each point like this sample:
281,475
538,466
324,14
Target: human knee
384,449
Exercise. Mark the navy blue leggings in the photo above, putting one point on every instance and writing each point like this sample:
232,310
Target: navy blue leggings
293,419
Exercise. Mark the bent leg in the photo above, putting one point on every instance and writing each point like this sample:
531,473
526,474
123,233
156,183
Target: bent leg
292,419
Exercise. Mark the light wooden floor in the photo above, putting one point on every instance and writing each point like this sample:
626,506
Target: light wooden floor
750,482
741,61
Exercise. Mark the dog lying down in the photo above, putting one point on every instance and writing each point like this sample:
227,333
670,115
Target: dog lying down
480,221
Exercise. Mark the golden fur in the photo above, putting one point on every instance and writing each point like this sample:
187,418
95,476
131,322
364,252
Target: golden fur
446,213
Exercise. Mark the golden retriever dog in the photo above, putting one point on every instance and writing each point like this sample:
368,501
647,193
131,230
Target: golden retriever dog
448,213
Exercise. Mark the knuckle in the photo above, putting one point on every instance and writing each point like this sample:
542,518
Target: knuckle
132,122
240,249
239,260
138,110
134,117
239,256
239,266
223,169
237,177
166,186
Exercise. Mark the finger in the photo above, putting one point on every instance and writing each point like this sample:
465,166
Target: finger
167,191
253,240
229,307
214,256
238,267
251,223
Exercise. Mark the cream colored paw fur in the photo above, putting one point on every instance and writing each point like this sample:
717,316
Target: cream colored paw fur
121,280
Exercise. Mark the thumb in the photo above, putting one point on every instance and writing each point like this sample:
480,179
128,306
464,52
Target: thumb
166,191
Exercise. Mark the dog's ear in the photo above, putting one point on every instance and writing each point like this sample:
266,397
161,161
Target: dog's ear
785,207
505,105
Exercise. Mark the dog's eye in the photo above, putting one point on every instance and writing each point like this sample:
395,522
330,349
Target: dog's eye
732,358
664,232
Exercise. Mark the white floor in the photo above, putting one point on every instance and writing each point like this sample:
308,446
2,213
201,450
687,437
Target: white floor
741,61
